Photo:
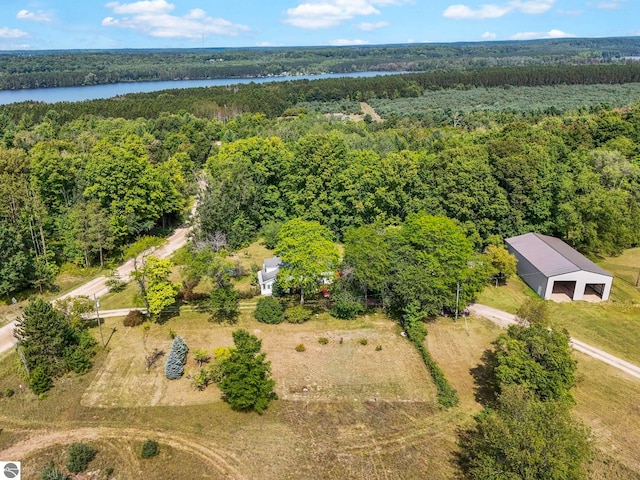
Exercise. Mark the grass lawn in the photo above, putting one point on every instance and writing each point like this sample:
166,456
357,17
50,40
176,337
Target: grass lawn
613,325
345,410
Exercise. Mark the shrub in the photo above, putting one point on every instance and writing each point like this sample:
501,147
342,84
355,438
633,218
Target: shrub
80,454
270,234
173,368
50,472
133,318
40,380
201,379
378,348
114,283
149,449
363,341
9,392
346,306
297,314
323,340
300,347
269,310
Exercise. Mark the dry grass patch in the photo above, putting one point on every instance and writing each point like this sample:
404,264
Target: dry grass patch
607,401
344,369
458,348
119,452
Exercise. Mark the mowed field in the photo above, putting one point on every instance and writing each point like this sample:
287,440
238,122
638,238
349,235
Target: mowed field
365,414
343,369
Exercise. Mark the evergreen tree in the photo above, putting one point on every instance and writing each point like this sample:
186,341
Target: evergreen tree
247,383
174,366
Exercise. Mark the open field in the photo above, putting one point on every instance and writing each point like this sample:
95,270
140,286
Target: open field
367,414
613,326
341,370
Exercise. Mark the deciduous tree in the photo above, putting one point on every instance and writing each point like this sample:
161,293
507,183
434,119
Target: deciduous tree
525,438
308,254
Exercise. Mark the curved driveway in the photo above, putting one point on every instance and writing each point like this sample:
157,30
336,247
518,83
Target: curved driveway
505,319
97,286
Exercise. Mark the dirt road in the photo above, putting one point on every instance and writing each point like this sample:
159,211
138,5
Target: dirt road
219,460
505,319
368,109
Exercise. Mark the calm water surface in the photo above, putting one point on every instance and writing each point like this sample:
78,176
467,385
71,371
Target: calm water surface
93,92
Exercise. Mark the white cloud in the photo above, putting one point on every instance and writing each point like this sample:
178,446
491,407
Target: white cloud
12,33
267,44
529,7
38,16
145,7
331,13
368,26
488,36
613,5
153,18
343,42
533,35
462,12
571,13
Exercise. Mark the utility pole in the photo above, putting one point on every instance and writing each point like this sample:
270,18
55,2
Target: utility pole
97,302
457,298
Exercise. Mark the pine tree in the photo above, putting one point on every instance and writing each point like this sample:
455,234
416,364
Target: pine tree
173,368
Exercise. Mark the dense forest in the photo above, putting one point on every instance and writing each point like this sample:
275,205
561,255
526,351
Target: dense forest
276,99
77,188
41,69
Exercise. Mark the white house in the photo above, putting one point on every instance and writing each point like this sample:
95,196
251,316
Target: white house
267,276
556,271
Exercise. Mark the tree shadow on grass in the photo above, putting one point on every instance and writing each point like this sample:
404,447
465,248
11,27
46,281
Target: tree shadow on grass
486,388
168,313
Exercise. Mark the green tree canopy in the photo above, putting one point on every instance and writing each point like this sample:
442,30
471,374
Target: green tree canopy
429,256
247,383
525,438
537,358
308,253
160,291
50,344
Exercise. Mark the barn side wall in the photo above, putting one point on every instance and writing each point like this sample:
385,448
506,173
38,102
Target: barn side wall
530,274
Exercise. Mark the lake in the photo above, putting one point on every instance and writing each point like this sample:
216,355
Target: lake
93,92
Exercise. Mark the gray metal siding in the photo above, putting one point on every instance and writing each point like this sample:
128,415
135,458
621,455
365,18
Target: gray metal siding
529,273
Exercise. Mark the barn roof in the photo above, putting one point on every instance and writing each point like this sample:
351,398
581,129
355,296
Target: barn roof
552,256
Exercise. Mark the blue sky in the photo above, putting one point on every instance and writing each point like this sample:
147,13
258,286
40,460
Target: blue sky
63,24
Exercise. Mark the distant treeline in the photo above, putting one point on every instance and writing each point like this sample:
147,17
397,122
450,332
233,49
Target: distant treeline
44,69
276,98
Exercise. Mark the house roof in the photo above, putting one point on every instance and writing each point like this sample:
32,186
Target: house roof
266,276
552,256
272,262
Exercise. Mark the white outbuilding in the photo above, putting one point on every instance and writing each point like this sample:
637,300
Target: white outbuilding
556,271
